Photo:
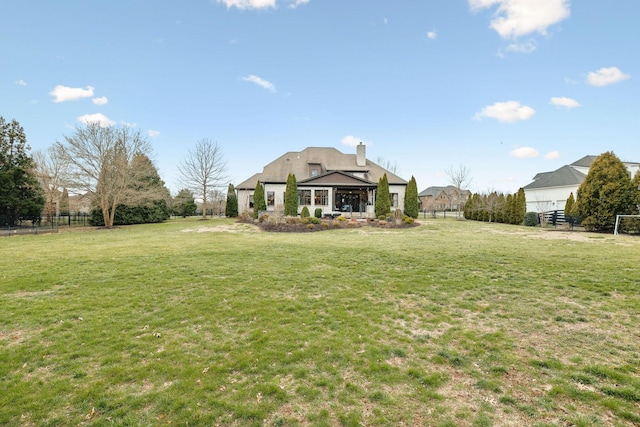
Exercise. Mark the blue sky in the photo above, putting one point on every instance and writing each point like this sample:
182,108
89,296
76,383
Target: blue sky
506,88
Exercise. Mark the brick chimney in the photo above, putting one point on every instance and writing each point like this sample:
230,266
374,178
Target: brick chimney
361,155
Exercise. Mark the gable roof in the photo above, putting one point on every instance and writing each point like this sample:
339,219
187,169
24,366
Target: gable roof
435,190
336,178
565,176
327,159
584,162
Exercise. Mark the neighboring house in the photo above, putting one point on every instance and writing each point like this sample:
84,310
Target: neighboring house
549,191
327,179
443,198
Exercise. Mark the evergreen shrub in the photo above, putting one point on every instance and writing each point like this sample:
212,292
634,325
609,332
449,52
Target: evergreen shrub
531,219
305,212
318,213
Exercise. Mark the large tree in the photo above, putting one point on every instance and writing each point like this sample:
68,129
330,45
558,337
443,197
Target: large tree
411,199
291,196
231,207
607,191
383,198
259,203
100,165
21,195
150,204
203,169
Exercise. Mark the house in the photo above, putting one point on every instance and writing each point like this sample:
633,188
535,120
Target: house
327,179
443,198
549,191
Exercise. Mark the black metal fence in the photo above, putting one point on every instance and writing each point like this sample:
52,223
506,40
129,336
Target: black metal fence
44,225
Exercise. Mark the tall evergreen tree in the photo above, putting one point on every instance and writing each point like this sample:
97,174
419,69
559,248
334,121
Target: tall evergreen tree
607,191
291,196
231,208
411,199
508,207
521,206
259,203
64,203
383,198
635,185
184,203
569,210
21,195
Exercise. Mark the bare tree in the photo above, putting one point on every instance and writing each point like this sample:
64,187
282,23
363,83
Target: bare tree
51,169
388,165
460,178
203,169
100,159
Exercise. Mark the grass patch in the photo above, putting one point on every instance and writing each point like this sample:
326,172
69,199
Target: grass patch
205,323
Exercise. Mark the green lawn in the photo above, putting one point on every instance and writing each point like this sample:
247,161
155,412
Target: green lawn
452,323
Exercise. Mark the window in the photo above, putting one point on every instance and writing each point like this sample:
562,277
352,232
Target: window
321,197
304,197
251,201
394,200
271,198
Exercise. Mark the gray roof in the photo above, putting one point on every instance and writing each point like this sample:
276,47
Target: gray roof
584,162
435,190
328,158
564,176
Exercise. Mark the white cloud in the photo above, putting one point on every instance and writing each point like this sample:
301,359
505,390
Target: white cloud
552,155
63,93
260,82
351,140
526,47
432,35
561,101
129,125
20,82
99,118
100,101
153,133
249,4
606,76
506,112
524,152
297,3
515,18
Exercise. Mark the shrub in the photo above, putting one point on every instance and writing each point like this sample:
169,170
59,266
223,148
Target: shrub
531,219
310,226
310,220
293,220
341,218
382,222
318,213
408,220
325,225
305,212
263,218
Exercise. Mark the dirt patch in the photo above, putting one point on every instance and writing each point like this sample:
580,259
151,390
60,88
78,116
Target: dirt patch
225,228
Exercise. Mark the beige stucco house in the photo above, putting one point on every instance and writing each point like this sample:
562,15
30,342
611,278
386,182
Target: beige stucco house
327,179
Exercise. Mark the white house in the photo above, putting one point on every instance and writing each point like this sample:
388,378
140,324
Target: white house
327,179
549,191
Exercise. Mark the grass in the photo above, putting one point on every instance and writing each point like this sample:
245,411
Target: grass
212,323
